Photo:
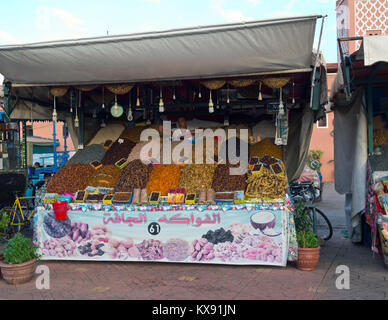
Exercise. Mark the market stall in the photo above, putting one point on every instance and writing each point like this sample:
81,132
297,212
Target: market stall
360,102
182,203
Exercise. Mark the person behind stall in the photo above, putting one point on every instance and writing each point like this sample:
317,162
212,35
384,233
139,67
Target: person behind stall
182,132
31,169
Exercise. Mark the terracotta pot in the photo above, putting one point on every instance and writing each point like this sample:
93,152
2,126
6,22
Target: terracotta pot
18,273
308,258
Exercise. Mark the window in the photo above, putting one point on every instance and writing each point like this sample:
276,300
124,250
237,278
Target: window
323,123
373,32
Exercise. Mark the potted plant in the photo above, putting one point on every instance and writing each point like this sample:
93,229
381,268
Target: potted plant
308,243
20,258
308,250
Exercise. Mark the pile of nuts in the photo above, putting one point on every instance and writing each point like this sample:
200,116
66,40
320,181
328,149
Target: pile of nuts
196,177
71,178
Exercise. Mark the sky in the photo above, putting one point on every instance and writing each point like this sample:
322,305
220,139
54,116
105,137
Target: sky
28,21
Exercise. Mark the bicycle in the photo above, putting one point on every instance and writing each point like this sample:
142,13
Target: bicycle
320,222
20,214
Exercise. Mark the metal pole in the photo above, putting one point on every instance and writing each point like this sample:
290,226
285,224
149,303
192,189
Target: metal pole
55,146
316,62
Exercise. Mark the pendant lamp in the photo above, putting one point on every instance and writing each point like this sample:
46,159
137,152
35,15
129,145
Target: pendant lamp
211,104
161,103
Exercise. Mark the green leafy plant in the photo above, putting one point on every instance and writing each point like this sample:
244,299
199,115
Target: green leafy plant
314,159
20,250
303,219
307,239
4,222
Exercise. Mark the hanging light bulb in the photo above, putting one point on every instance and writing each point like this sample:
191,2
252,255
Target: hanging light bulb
211,104
103,97
115,106
130,114
174,95
227,94
199,92
161,103
138,99
281,105
71,101
76,120
293,91
260,94
55,115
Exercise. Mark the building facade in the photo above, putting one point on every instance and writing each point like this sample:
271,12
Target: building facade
355,18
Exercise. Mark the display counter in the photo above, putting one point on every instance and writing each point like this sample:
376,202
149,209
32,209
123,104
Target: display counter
244,234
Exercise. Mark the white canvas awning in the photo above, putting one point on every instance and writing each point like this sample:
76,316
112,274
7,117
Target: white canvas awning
375,49
248,48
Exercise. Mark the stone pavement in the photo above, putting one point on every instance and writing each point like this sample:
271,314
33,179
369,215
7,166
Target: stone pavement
76,280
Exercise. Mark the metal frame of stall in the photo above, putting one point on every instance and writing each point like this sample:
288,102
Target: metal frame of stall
368,84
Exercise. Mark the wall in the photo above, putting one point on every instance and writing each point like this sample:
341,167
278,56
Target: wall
45,130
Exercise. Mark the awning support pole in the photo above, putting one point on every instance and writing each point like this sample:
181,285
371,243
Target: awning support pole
316,62
55,147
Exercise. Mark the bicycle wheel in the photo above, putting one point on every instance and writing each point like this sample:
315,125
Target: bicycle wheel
324,227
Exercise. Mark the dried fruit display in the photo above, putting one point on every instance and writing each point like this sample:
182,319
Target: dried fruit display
163,178
59,248
134,176
120,149
79,232
267,185
136,151
202,250
223,181
92,249
122,249
101,234
265,147
135,132
71,178
95,152
196,177
219,236
380,137
261,248
176,250
227,251
151,250
56,228
105,177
